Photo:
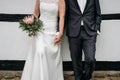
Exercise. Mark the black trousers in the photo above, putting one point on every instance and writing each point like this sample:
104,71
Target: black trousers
87,44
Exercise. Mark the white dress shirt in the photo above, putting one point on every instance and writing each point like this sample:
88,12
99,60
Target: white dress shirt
82,4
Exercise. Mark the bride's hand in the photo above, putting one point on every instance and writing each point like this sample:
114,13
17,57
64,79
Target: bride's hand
58,37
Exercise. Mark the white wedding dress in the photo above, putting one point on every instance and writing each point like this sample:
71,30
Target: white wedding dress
44,60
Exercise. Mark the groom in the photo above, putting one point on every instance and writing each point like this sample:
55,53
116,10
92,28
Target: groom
83,19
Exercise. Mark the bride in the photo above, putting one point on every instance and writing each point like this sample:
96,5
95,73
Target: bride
44,60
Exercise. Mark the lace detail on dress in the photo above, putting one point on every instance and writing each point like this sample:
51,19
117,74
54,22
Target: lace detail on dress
49,10
49,1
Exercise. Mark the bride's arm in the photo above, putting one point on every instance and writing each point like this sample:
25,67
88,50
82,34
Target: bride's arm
62,9
37,9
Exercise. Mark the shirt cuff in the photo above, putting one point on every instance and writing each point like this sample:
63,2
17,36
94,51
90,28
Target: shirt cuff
98,32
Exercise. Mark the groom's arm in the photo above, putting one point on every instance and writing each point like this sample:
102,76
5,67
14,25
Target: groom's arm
66,14
98,15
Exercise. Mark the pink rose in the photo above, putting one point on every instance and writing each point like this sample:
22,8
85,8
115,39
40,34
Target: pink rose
28,19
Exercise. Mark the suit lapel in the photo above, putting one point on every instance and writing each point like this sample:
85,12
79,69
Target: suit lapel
78,7
86,5
76,4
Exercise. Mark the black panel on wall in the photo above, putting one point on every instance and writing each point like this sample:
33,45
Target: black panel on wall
17,17
11,17
67,65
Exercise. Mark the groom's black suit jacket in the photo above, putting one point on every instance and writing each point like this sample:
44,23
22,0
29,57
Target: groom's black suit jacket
91,17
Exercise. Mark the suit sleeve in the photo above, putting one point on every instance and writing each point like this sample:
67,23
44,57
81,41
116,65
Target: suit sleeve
66,14
98,15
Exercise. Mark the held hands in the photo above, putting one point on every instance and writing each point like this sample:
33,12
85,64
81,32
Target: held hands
28,19
58,37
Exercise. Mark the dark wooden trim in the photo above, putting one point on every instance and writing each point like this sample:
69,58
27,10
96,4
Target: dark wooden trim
16,17
11,64
67,65
11,17
100,65
111,16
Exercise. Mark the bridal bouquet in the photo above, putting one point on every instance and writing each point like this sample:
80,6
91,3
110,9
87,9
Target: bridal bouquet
31,25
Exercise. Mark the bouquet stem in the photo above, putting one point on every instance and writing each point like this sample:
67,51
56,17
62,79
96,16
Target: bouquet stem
30,34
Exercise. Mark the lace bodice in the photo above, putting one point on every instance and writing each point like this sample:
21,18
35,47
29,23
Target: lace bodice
49,1
49,10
